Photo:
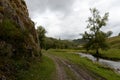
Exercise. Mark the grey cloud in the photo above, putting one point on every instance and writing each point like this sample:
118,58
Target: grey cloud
36,5
41,6
60,5
69,36
65,19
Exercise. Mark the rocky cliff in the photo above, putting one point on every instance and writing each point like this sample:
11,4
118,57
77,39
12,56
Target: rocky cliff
18,38
15,11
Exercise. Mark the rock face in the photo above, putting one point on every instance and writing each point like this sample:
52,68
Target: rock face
18,38
16,12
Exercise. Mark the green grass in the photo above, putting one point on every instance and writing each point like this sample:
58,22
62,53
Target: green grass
95,68
112,54
114,42
43,70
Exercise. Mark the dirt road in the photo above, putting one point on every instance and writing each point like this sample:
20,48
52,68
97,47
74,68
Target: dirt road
66,70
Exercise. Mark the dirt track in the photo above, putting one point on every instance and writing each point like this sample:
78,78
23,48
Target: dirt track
74,73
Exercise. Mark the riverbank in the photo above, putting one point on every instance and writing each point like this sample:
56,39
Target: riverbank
110,54
109,63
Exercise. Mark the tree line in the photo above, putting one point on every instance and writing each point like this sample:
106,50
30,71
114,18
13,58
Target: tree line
53,43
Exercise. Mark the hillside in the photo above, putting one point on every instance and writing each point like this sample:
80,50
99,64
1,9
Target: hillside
79,41
114,42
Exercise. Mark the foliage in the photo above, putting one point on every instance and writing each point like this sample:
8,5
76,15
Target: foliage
119,34
79,41
95,37
41,35
49,42
58,44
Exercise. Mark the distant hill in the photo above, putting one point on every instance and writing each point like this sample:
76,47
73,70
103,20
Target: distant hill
79,41
114,42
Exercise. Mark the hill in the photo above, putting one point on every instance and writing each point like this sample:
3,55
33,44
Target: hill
79,41
114,42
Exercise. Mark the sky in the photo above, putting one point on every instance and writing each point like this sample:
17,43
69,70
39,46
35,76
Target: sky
66,19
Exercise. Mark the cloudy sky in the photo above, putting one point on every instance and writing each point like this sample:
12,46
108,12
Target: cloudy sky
66,19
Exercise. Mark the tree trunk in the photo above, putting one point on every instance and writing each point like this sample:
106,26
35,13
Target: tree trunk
97,55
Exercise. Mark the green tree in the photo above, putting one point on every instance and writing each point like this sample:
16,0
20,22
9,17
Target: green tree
48,43
96,39
119,34
41,35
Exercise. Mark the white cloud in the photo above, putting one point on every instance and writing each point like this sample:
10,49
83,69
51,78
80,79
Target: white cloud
66,18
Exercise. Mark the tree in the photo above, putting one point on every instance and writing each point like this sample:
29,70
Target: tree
96,39
119,34
41,35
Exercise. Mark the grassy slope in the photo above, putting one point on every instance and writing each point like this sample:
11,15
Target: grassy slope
114,42
114,52
43,70
111,54
96,68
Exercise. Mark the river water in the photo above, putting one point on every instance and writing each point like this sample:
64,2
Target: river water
112,64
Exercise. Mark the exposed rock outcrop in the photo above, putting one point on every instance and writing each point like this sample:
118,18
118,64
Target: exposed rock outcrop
18,38
16,11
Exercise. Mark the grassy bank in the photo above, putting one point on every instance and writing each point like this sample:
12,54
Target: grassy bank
95,68
114,42
114,52
41,70
111,54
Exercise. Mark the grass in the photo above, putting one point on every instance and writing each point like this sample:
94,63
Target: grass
111,54
43,70
114,42
95,68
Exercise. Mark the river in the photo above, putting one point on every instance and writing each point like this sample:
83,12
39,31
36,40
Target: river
112,64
